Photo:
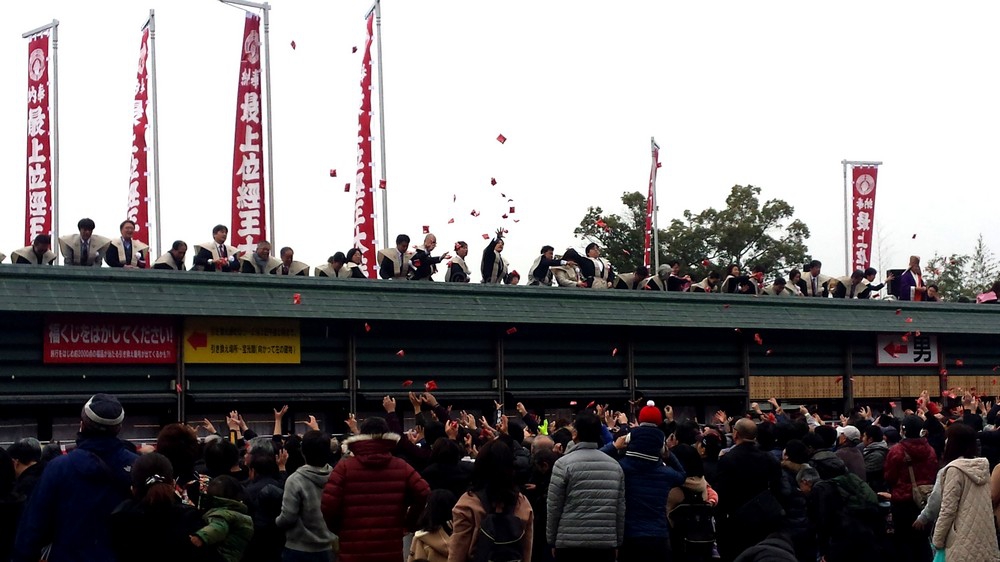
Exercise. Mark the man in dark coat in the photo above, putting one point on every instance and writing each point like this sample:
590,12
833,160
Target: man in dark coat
372,498
422,265
913,452
647,484
748,481
72,503
26,455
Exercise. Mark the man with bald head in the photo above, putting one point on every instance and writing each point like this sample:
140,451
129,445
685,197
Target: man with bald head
748,483
422,265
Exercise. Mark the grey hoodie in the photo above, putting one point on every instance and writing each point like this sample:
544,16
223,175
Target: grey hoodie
305,528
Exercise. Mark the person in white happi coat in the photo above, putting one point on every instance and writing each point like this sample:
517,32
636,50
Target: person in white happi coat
217,255
125,252
83,248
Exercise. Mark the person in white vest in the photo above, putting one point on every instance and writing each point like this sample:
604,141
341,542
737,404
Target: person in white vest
288,264
333,266
632,281
260,261
815,282
493,266
353,264
458,271
174,259
603,272
394,263
217,255
84,248
38,253
125,252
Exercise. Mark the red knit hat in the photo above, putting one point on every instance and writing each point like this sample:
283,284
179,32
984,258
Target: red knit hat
650,414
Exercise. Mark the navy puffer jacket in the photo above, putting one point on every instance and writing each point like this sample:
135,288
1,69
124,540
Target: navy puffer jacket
648,482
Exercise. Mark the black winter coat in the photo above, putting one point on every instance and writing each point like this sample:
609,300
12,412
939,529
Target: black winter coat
143,534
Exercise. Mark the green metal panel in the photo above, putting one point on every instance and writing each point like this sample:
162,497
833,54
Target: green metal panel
458,357
692,359
567,359
796,354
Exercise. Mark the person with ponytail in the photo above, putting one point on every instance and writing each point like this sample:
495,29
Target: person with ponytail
154,526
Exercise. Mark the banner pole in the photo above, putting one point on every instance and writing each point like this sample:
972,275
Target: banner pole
847,221
156,130
656,208
267,103
55,137
381,123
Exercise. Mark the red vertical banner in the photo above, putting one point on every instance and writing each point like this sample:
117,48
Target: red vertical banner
364,192
249,219
138,188
651,205
38,198
862,215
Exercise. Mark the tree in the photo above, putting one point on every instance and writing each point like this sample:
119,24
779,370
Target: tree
744,233
963,275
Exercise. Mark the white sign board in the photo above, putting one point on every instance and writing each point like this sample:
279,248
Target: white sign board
907,350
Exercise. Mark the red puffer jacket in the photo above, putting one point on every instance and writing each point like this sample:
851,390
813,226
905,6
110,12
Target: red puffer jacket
371,499
897,473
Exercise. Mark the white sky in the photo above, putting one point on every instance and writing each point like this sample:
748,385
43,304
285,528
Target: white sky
770,93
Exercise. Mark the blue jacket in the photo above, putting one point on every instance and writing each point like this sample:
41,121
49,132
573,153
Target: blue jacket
648,483
71,506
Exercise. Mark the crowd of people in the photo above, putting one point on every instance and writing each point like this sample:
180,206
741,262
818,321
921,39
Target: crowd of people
514,484
403,262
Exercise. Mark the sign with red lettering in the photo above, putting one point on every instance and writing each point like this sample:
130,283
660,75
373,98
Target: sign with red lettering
38,210
364,193
862,216
109,339
249,219
138,187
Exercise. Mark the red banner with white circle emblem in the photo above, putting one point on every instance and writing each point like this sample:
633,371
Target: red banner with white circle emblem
862,215
364,192
249,219
138,187
38,199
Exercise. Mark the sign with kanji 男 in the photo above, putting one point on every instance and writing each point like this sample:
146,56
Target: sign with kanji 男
109,339
910,350
241,340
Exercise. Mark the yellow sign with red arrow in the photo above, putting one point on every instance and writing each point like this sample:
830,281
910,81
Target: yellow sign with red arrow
242,340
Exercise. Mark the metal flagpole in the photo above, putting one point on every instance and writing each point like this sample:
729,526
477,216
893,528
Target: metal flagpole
54,120
267,103
266,9
656,209
847,221
847,208
381,122
156,129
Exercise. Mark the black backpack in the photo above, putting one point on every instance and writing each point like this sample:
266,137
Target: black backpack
501,535
694,524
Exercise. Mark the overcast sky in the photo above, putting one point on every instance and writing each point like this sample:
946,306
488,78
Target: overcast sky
774,94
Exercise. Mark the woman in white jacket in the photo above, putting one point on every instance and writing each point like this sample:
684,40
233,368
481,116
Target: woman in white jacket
965,528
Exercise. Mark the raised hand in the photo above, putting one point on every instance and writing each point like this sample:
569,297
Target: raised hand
389,404
352,423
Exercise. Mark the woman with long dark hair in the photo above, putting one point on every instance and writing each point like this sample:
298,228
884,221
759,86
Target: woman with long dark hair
430,542
154,525
492,488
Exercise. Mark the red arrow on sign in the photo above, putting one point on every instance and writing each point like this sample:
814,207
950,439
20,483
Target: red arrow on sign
198,339
895,349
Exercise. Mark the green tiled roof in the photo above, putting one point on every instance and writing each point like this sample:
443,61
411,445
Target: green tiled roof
111,291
